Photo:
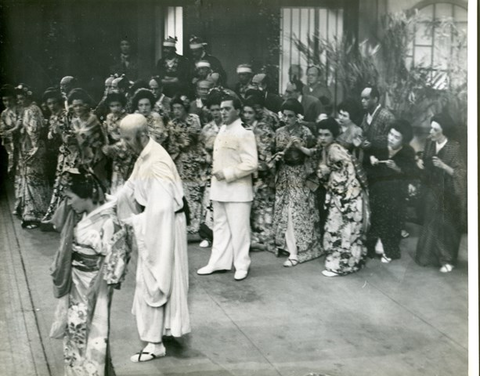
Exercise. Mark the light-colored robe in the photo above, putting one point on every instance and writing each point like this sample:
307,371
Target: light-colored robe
160,302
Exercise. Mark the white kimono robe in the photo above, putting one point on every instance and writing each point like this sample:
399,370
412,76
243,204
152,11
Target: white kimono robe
160,302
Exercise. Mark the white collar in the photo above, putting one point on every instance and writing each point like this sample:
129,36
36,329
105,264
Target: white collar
238,121
439,146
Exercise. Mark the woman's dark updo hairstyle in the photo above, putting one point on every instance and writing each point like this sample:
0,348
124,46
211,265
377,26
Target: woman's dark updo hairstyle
85,185
292,105
116,97
80,94
254,98
446,122
122,82
52,93
214,98
353,108
331,125
142,94
404,128
177,99
7,91
137,85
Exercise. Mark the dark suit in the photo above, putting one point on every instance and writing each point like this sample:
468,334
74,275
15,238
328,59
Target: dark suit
180,70
312,107
125,64
273,102
214,64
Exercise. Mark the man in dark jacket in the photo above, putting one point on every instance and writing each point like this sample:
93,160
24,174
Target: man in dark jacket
173,69
197,49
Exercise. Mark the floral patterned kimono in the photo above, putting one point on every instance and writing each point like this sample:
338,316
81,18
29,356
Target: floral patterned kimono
191,159
98,254
294,201
207,138
32,191
82,140
9,120
156,127
90,139
343,239
264,187
122,159
59,126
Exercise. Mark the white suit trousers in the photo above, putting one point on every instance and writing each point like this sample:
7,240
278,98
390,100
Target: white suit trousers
231,236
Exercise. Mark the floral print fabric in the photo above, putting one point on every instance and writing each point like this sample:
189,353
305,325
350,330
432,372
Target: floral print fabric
343,239
99,257
191,159
32,191
264,187
122,158
292,193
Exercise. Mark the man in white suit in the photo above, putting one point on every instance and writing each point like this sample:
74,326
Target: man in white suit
234,161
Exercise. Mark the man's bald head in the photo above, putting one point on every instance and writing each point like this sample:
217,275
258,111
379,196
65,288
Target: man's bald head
67,83
135,122
134,132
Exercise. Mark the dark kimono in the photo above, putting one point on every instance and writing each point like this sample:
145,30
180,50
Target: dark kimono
388,193
178,67
444,199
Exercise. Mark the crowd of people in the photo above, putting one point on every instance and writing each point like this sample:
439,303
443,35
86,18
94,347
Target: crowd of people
249,169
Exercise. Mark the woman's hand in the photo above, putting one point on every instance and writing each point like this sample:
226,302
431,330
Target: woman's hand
323,170
420,164
278,156
296,141
391,164
437,162
373,160
357,141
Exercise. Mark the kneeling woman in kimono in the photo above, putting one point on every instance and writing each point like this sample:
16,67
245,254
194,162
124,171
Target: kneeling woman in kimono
90,262
343,239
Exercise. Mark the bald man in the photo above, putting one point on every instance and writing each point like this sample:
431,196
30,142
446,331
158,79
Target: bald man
67,84
151,201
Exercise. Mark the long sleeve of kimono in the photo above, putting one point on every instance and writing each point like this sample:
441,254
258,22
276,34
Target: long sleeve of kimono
116,251
33,128
341,175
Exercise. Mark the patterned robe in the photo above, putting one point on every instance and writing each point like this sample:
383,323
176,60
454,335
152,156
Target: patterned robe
99,254
293,199
343,238
59,126
207,139
90,138
122,158
191,160
264,186
9,119
32,191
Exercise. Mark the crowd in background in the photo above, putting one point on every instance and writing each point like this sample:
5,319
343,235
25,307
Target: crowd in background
331,184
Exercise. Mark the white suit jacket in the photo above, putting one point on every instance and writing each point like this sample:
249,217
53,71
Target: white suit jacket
234,153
